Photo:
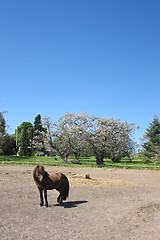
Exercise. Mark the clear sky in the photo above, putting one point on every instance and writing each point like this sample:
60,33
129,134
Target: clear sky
96,56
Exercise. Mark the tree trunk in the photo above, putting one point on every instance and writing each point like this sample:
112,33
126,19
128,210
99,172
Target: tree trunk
77,155
128,155
99,159
64,157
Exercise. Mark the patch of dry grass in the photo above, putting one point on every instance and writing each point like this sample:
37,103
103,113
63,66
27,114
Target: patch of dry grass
80,180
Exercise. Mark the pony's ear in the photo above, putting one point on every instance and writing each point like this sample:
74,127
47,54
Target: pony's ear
38,166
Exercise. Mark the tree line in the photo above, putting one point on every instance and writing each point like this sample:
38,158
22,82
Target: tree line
79,135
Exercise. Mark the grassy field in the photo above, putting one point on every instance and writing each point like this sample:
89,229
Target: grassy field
84,162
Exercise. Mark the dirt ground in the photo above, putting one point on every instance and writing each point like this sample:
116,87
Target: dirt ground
112,205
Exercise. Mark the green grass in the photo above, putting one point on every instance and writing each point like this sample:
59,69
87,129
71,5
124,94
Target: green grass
136,163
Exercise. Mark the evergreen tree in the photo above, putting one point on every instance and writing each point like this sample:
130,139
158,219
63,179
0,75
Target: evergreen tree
152,145
38,136
153,132
38,124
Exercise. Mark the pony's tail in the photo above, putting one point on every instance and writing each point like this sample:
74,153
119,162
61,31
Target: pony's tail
66,189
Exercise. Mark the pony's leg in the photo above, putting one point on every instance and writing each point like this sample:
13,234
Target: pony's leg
41,197
45,196
59,199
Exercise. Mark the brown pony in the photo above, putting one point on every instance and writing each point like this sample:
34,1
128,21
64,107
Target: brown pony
45,181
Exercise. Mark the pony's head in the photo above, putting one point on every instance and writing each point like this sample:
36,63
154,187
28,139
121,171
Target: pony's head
40,169
39,172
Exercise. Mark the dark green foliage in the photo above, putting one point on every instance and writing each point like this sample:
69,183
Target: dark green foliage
153,132
2,125
38,124
7,142
8,145
38,136
152,145
25,136
26,133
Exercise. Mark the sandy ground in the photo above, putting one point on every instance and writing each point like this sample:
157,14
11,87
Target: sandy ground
113,204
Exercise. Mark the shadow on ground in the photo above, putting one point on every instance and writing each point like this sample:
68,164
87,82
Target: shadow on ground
70,204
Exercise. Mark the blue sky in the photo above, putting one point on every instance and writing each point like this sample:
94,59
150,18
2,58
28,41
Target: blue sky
96,56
